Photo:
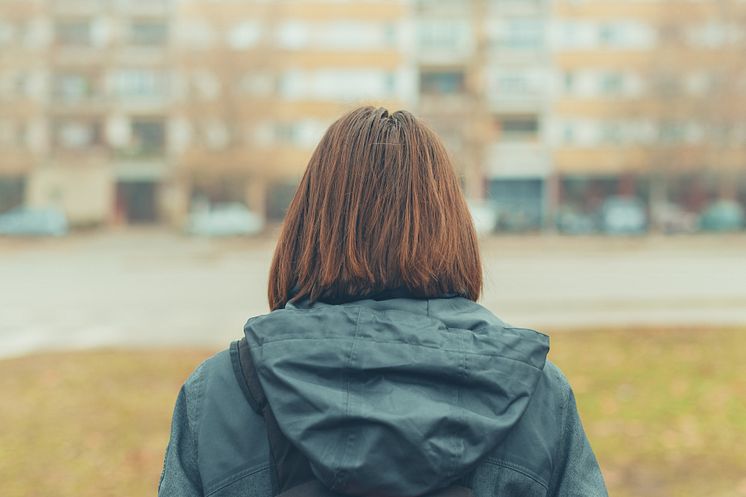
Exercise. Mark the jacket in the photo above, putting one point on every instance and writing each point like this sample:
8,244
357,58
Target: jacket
395,397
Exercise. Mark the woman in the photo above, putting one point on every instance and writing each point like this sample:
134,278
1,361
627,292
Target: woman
377,373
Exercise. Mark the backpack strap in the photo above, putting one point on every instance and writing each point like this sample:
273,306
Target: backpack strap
288,467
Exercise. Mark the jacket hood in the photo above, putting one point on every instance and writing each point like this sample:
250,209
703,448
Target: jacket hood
394,397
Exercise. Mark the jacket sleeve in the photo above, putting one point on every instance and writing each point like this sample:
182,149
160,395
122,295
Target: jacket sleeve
180,476
577,473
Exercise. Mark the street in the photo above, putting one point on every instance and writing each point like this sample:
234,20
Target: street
153,287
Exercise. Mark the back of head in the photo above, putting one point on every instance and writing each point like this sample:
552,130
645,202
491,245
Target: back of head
379,208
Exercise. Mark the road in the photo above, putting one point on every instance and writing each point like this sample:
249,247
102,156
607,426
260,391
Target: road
150,288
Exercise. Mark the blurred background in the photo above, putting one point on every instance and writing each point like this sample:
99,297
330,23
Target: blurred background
150,148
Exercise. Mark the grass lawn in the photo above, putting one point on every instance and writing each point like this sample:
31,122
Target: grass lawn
665,411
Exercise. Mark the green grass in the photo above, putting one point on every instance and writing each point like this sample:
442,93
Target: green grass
665,411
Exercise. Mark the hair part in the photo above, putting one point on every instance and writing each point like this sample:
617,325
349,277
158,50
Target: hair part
379,208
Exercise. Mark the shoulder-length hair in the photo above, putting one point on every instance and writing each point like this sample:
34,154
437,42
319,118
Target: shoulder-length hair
378,209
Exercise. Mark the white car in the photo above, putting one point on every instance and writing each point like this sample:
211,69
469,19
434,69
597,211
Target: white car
623,216
484,216
225,220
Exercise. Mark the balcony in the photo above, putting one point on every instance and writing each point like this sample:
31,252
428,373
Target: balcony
145,8
145,168
518,160
456,104
76,8
517,7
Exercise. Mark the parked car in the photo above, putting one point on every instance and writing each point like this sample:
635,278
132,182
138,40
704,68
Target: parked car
484,216
722,215
671,218
573,222
232,219
623,216
25,221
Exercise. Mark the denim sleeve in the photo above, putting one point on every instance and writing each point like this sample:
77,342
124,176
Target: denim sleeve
180,476
577,473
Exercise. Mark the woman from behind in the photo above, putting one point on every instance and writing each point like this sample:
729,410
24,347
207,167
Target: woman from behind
376,373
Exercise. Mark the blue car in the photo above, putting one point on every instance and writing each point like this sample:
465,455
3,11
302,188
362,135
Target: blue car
722,216
25,221
623,216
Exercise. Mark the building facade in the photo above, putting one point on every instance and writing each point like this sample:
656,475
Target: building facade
129,111
87,107
483,67
650,103
259,82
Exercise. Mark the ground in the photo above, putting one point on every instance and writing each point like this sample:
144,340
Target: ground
664,410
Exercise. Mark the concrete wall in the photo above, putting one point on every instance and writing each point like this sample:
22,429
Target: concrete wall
85,194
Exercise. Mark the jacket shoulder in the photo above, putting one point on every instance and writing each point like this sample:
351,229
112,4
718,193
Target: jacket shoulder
556,381
230,437
531,446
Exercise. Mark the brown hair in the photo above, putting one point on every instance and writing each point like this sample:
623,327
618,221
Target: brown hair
379,209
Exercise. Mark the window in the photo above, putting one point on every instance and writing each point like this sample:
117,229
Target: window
354,35
258,83
70,87
244,35
139,83
148,136
6,33
334,84
670,132
303,133
442,82
610,34
612,83
513,85
7,133
518,83
293,35
443,35
568,134
217,135
285,132
195,33
390,34
148,33
390,83
611,132
74,32
518,127
74,134
521,34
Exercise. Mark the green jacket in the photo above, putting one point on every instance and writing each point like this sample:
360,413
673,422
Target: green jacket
393,397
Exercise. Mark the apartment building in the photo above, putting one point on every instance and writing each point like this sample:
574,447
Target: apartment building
649,103
88,102
483,68
127,111
22,71
259,82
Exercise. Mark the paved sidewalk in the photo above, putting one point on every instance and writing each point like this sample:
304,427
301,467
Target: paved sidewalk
143,288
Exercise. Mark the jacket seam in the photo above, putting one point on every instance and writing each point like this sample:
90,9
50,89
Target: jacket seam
427,313
341,477
221,484
518,469
563,410
391,342
507,327
196,424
